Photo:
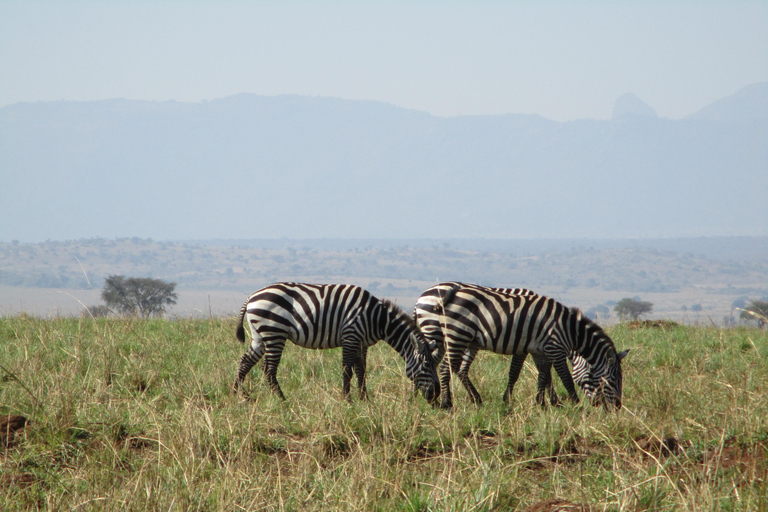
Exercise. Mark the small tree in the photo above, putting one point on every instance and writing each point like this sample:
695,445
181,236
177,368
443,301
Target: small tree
632,308
142,296
740,303
756,310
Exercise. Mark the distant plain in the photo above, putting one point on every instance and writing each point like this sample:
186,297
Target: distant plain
214,278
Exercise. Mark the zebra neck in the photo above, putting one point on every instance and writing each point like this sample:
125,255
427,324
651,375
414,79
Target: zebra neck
396,328
594,351
399,339
586,337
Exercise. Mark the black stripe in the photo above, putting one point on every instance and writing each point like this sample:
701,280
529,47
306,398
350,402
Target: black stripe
269,315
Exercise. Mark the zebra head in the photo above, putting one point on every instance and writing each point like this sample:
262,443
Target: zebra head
596,364
405,336
425,378
601,382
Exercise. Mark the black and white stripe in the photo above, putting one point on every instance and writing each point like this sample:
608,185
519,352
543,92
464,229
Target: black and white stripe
545,385
467,318
330,316
428,319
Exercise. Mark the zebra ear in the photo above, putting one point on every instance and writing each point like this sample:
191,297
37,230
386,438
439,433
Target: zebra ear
432,348
621,355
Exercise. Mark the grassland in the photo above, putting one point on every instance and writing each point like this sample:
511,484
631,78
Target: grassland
138,415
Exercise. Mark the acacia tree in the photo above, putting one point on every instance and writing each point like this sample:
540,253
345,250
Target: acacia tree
756,310
141,296
632,308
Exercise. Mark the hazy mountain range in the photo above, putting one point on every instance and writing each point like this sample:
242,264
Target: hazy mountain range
251,166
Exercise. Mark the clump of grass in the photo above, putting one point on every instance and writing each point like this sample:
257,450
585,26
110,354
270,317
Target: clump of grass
139,414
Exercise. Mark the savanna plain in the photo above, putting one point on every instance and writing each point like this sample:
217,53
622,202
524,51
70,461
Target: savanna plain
131,414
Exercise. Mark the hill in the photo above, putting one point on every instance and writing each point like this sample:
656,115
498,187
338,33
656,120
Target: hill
216,276
748,104
270,167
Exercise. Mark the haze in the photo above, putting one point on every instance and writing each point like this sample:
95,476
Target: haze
561,60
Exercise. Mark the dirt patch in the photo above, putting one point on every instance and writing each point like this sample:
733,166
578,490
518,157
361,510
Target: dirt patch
140,384
571,450
20,480
141,443
558,506
137,442
9,425
577,447
653,324
483,437
659,447
336,446
426,450
750,462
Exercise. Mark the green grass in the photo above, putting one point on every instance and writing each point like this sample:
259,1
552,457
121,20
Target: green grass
139,415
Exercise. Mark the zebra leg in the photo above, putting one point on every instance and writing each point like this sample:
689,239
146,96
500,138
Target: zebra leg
469,356
514,373
559,360
444,371
350,357
453,362
249,360
271,361
545,383
360,368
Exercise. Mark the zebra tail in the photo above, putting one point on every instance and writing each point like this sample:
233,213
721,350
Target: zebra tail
448,296
240,333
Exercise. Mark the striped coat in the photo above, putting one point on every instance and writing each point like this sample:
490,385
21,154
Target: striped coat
517,322
331,316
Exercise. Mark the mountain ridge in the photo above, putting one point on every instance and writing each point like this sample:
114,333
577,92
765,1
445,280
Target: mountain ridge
259,167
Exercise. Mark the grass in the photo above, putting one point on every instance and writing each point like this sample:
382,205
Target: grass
139,415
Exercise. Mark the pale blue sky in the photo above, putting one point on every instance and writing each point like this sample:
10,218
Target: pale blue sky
562,60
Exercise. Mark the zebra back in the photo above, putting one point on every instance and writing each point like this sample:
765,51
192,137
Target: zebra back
431,306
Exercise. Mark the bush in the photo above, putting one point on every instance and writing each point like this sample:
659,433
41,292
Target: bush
138,296
631,309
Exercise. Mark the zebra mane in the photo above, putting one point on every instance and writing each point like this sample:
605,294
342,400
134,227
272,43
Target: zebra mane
593,332
399,313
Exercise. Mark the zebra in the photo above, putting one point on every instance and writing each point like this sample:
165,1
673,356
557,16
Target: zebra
429,322
460,319
323,316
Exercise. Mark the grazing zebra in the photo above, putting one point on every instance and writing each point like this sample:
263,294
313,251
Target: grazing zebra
330,316
428,320
461,319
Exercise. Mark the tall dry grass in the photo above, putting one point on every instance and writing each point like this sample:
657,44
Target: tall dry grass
139,415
